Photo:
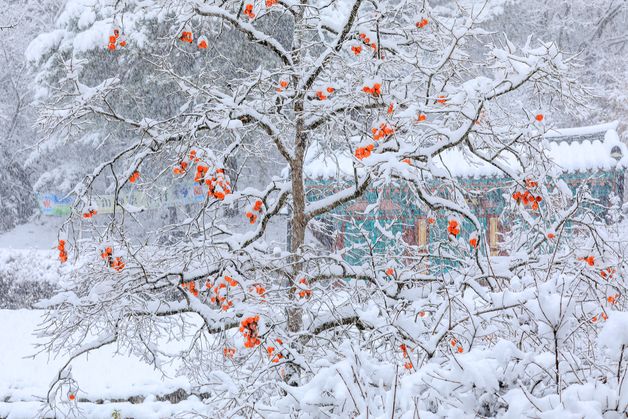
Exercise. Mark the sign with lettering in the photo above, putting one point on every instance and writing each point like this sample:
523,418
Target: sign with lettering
58,205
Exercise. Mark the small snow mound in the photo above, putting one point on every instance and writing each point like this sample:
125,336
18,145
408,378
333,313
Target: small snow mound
614,335
43,44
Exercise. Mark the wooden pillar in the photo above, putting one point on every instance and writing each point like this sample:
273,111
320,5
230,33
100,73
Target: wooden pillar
493,223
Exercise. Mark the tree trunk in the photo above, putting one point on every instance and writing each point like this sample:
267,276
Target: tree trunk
298,222
297,238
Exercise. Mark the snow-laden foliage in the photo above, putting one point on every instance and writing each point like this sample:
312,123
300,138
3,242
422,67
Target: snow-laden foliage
385,89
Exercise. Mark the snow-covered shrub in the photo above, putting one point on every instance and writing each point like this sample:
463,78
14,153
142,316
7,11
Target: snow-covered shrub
26,277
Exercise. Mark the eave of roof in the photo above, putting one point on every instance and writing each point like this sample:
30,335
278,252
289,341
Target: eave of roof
580,149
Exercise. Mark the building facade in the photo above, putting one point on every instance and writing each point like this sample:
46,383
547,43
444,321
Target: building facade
592,157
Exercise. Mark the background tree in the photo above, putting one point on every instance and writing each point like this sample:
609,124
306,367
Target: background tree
383,90
17,25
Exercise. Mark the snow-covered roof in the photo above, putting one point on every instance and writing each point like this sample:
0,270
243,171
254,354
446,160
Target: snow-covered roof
587,148
573,150
320,164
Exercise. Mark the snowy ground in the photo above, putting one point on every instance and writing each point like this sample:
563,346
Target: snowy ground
39,234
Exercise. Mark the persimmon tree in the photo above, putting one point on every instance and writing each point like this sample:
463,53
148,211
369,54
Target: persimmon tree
383,90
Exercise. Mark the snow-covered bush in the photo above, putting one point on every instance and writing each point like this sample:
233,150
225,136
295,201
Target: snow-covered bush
26,277
385,90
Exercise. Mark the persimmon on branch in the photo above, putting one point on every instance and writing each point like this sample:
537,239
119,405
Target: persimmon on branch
252,33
